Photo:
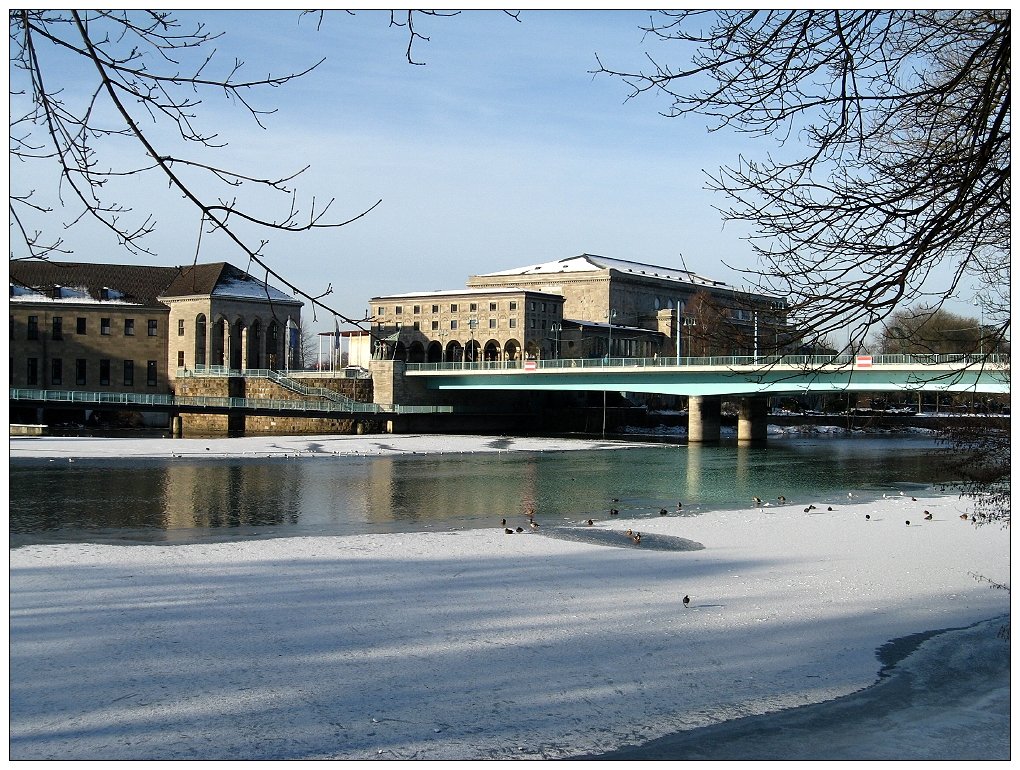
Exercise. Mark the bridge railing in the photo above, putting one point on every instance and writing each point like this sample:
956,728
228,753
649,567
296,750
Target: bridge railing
164,400
800,361
169,401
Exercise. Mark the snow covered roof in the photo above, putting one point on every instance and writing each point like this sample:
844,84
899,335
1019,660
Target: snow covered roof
471,291
592,262
138,285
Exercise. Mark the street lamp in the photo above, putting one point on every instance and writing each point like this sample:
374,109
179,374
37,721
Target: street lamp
690,322
556,330
472,323
610,316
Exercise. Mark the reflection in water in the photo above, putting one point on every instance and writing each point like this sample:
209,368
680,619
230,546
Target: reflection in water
181,500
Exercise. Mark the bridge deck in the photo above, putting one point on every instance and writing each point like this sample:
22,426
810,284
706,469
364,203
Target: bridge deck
728,375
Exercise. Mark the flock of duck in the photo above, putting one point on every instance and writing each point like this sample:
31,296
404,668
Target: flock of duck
634,536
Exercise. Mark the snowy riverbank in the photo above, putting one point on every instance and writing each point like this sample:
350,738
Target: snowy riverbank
478,644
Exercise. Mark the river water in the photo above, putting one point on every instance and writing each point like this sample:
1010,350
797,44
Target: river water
179,501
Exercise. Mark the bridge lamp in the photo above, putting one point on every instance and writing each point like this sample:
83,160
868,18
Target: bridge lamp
609,317
472,324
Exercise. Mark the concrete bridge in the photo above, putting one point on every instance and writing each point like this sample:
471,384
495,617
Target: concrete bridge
706,380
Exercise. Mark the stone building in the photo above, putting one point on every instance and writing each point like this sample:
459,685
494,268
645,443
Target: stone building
501,324
681,306
129,328
579,307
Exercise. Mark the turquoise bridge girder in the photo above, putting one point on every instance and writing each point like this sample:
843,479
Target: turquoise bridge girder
728,376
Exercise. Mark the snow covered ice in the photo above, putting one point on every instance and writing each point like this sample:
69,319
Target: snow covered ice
477,644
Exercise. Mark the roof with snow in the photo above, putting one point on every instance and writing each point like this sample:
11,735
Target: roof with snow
467,292
140,285
592,262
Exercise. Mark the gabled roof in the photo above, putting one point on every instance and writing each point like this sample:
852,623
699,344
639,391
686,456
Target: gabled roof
37,280
88,282
221,279
592,262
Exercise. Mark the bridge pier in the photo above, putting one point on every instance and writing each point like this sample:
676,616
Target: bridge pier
703,418
752,419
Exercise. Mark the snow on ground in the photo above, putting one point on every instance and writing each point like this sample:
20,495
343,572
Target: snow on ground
283,446
478,644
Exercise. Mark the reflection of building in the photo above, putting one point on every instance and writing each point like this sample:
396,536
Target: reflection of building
78,326
580,307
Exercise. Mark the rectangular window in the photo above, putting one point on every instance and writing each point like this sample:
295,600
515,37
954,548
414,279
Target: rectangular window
417,309
129,327
33,327
380,311
474,306
104,371
492,323
150,373
104,326
33,371
80,326
58,327
180,327
417,326
56,371
453,324
180,358
543,323
435,325
532,306
492,306
453,308
435,308
513,304
129,372
80,371
398,310
151,324
513,323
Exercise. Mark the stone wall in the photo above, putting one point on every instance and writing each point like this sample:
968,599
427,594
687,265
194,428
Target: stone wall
250,387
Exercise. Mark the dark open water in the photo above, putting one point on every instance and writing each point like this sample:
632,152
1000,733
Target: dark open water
181,500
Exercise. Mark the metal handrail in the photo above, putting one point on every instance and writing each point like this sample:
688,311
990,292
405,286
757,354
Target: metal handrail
223,402
801,361
269,374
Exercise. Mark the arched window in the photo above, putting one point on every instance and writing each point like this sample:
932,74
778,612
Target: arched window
200,339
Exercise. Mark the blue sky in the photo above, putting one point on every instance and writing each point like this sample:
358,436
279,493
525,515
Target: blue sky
502,150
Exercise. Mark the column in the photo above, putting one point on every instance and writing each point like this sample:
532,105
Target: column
752,419
703,418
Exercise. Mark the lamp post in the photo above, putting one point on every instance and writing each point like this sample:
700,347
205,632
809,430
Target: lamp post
556,330
609,317
690,322
442,347
472,323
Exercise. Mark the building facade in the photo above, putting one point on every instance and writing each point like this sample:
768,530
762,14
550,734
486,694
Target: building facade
693,314
500,324
129,328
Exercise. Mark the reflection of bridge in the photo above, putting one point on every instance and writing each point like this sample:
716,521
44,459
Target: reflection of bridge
751,379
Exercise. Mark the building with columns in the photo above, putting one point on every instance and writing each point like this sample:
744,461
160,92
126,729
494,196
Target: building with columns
85,326
694,315
585,306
